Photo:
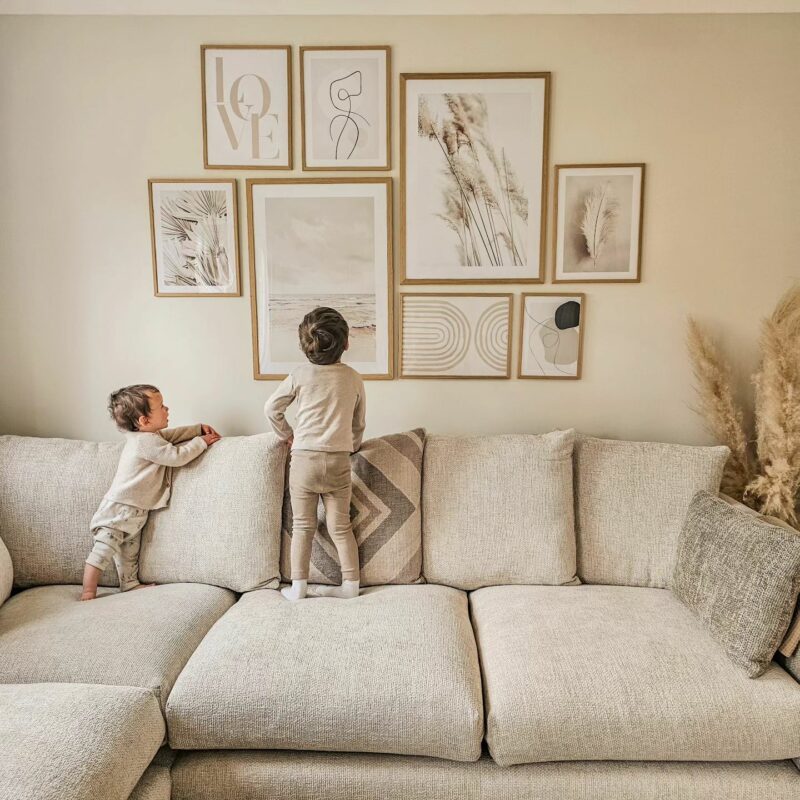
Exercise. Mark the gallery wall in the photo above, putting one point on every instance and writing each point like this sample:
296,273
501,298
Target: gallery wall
94,106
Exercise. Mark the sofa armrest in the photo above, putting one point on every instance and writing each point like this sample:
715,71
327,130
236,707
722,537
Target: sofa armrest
6,573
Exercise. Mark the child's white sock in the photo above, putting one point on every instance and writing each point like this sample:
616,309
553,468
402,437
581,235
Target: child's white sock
297,591
346,591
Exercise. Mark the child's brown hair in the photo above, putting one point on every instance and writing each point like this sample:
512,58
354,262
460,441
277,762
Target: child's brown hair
126,405
323,335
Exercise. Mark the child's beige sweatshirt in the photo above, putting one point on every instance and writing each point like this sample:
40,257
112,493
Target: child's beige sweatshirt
331,408
144,472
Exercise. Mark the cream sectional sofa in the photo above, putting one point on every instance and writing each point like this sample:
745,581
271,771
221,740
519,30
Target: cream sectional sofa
544,656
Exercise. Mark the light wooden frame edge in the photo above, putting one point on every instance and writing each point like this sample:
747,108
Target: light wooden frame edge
554,244
388,50
579,371
234,191
390,322
399,347
405,76
290,131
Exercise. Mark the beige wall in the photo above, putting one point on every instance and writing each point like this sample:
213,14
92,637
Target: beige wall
92,107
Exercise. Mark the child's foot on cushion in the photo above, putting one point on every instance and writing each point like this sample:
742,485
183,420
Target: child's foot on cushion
347,591
297,591
88,594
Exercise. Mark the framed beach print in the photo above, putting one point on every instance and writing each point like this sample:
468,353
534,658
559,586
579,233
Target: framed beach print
455,335
194,234
247,106
473,177
551,341
345,97
320,242
598,223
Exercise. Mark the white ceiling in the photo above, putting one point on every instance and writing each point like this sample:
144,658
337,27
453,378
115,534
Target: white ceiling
380,7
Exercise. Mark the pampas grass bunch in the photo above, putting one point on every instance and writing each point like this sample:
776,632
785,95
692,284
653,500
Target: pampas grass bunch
763,470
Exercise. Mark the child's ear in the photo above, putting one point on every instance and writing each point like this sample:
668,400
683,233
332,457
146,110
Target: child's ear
143,420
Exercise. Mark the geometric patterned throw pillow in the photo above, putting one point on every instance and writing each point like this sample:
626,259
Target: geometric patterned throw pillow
385,512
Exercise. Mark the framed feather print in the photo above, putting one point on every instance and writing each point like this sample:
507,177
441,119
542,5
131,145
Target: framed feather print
598,223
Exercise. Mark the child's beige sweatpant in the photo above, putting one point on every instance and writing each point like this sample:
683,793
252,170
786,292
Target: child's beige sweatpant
314,473
117,530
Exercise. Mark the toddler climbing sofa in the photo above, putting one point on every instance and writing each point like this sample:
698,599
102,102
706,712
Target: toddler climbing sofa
517,636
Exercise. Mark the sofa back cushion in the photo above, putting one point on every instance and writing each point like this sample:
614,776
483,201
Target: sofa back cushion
49,490
498,510
223,522
385,512
630,502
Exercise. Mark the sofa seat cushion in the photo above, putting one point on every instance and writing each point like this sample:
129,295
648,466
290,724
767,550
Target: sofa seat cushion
394,670
139,638
75,741
621,673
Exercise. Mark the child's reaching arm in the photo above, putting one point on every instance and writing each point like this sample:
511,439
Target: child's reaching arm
275,408
183,434
359,419
173,455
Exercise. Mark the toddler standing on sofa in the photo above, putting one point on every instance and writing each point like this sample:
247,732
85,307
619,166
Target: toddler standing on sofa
330,420
142,481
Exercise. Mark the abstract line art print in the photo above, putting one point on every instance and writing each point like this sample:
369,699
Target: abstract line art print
455,335
247,113
194,234
598,222
345,107
473,177
551,341
320,242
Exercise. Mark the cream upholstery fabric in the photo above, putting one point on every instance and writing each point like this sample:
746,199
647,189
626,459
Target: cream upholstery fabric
140,638
621,673
223,523
6,573
498,510
155,784
75,742
630,502
49,490
255,775
394,670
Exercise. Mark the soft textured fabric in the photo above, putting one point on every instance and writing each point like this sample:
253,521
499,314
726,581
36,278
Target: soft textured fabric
330,408
258,775
223,522
49,489
317,476
740,575
155,784
117,529
792,665
6,573
386,479
630,501
144,472
394,670
498,510
140,638
620,673
76,742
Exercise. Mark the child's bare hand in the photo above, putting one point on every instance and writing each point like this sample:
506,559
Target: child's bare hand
206,429
210,438
290,441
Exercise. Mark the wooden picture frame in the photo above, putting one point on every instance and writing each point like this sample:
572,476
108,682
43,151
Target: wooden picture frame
225,136
448,322
626,218
320,240
358,122
182,254
506,245
523,318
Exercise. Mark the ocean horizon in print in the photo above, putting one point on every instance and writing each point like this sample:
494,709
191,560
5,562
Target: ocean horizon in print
286,312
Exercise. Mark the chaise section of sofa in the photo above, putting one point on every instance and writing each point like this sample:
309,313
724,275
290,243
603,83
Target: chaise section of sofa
394,670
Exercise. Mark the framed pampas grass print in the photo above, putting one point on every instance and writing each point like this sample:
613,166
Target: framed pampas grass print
551,335
194,234
473,177
345,97
320,242
598,223
455,335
